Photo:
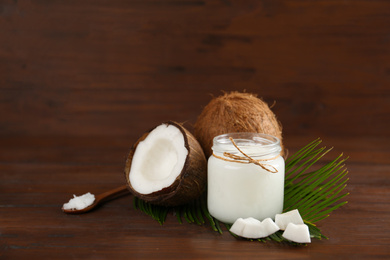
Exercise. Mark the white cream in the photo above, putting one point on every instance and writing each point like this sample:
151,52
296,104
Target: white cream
243,190
80,202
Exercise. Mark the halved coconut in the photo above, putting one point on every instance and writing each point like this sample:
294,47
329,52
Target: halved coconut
166,166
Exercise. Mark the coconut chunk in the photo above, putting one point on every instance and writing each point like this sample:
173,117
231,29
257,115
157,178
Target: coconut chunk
158,160
297,233
293,216
238,227
253,228
269,227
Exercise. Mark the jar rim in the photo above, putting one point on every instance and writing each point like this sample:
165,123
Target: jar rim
269,143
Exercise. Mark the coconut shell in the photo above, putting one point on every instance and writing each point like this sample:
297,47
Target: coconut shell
235,112
188,185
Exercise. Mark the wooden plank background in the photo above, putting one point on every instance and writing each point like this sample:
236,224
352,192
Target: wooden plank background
80,81
93,68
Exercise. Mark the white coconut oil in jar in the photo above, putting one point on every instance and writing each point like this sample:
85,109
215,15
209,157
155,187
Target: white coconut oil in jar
245,177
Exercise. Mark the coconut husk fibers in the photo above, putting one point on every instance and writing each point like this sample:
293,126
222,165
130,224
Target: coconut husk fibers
235,112
189,184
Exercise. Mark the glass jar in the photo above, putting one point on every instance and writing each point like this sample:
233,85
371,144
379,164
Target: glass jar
245,177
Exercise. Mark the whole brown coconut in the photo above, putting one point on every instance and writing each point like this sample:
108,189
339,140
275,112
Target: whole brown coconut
235,112
166,166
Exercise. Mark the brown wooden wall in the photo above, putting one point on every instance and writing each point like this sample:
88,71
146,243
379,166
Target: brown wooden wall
118,68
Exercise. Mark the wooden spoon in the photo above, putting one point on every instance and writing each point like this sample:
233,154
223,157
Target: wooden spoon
106,196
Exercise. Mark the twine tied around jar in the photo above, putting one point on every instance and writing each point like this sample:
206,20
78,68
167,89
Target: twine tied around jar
247,159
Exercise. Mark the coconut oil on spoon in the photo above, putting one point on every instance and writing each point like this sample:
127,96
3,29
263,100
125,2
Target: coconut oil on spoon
88,201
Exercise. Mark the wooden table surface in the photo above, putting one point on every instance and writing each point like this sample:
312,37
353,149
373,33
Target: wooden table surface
80,81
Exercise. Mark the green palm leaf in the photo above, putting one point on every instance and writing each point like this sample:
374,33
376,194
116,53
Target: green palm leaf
312,186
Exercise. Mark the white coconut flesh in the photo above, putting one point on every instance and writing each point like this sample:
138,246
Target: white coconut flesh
238,226
291,222
298,233
269,227
253,228
158,160
292,216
